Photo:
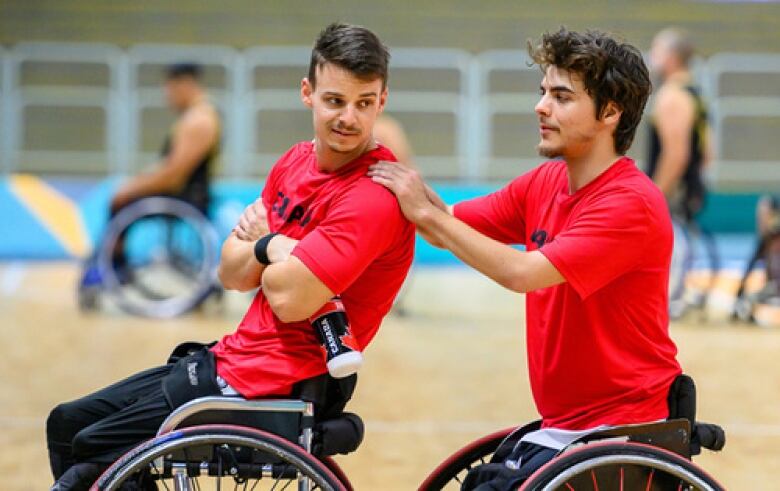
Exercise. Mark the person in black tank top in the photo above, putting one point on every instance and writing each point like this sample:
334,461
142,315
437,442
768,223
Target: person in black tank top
189,149
678,146
185,159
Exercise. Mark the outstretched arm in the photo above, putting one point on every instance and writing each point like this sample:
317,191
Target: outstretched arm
516,270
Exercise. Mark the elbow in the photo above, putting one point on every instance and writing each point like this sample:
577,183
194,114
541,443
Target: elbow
286,308
230,282
516,282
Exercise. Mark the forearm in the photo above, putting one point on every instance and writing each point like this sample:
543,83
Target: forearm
159,181
292,291
500,262
238,267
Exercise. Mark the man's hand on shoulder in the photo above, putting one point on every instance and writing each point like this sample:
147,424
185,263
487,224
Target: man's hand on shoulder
416,198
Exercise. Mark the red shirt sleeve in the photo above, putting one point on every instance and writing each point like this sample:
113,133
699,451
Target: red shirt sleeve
359,227
606,239
499,215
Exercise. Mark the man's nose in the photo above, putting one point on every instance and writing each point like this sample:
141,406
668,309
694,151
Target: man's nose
348,116
542,107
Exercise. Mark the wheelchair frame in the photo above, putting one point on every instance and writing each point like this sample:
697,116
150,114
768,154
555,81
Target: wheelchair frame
663,446
163,207
177,427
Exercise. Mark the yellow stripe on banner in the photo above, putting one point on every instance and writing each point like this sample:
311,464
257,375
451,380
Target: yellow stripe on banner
56,212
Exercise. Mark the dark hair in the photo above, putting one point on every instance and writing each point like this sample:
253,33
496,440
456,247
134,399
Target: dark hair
610,70
353,48
181,70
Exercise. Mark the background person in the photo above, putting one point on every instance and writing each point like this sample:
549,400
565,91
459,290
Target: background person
186,158
679,134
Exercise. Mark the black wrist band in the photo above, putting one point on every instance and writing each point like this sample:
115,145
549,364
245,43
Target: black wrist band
261,248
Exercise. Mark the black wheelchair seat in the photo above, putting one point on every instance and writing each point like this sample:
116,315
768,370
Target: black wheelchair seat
673,435
313,417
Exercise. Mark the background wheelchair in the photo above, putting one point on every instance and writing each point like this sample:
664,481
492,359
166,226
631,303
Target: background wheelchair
635,457
158,258
272,444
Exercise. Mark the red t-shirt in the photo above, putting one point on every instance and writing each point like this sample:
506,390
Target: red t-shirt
353,237
599,350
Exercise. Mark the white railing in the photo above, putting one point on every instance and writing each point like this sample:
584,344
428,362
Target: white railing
472,103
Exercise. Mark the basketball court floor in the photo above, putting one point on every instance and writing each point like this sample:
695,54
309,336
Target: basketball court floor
450,370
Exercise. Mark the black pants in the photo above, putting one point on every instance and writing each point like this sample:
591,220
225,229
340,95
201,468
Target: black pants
102,426
498,477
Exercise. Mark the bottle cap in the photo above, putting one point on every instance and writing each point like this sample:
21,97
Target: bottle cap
345,364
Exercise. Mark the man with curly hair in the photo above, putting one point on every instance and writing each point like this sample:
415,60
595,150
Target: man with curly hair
598,243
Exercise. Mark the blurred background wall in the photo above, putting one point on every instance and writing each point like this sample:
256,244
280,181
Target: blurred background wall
80,96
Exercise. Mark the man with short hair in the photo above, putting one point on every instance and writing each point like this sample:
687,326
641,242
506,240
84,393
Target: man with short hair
598,241
322,228
679,135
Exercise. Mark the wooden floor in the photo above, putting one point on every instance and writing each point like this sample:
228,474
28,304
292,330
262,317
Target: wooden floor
452,370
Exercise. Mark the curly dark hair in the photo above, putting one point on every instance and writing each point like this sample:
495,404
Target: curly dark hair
353,48
610,70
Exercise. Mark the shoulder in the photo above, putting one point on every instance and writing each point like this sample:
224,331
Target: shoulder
544,177
364,199
370,195
294,154
200,118
632,190
673,98
552,169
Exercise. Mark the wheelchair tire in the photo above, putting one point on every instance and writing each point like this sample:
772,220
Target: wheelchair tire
450,473
611,465
141,460
200,278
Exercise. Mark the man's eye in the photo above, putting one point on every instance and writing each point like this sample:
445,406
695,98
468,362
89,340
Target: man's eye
333,100
365,104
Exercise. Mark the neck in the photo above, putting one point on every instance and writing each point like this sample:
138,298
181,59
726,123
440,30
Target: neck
329,160
680,75
196,98
583,169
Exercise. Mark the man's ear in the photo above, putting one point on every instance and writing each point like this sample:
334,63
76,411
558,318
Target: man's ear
306,92
610,114
383,100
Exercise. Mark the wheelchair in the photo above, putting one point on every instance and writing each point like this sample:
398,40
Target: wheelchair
158,259
655,456
264,444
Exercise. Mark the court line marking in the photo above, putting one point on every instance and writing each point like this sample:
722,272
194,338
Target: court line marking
13,275
437,427
55,211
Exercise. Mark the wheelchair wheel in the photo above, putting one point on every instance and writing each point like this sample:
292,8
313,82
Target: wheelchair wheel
618,466
211,456
169,257
450,473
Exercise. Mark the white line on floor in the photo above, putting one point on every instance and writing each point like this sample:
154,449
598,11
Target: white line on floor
13,274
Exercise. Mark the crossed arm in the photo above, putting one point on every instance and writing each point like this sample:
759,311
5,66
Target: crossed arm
515,270
292,290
